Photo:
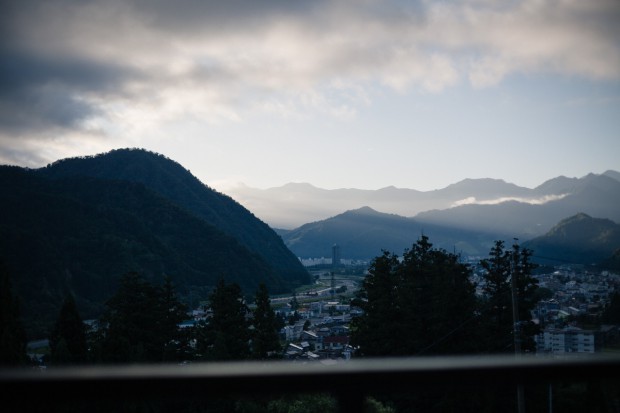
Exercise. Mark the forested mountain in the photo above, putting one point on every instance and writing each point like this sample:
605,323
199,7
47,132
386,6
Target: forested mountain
170,180
364,233
579,239
64,231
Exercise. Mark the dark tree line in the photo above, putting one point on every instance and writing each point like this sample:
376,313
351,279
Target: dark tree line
425,303
142,324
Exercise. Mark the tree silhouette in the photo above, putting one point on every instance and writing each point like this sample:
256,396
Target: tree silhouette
265,340
12,335
68,337
226,334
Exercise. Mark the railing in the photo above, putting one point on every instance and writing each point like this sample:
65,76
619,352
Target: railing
350,382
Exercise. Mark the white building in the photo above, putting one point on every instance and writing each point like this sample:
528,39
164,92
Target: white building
567,340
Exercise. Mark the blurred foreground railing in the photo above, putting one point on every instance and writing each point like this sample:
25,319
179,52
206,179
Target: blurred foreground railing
350,382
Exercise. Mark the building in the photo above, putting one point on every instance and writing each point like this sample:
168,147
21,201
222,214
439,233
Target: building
336,255
568,340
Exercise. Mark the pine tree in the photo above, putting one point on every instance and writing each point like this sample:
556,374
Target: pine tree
171,313
68,337
141,322
496,304
497,309
375,331
265,340
226,335
424,304
12,334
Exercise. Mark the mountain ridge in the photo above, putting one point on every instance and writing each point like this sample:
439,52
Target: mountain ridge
78,229
317,204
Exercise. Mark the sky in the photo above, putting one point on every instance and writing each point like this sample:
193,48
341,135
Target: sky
337,93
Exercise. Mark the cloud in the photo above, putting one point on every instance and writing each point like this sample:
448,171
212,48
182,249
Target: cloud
93,67
532,201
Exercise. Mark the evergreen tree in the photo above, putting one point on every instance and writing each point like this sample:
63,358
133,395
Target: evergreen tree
68,336
265,339
375,331
141,321
497,306
12,334
611,314
226,335
171,313
424,304
437,300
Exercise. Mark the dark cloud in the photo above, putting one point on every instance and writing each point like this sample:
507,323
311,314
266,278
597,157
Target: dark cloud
41,92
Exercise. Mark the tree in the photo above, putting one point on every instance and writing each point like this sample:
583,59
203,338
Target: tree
171,313
141,321
12,334
68,336
420,305
226,334
497,307
265,339
374,331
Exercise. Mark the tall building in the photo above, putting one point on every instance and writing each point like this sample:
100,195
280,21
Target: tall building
336,255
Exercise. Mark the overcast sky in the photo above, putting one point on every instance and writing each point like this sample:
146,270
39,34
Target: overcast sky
338,93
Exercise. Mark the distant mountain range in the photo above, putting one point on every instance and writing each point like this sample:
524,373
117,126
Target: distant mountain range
489,210
467,202
78,224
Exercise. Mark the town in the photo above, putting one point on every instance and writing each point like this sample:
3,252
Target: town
318,319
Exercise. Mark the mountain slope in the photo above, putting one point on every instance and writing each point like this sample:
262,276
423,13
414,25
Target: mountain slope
578,239
364,233
79,235
172,181
595,195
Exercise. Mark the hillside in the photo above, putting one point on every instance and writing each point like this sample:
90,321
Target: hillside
178,185
580,239
66,232
364,233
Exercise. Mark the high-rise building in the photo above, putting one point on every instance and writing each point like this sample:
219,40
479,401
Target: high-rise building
336,255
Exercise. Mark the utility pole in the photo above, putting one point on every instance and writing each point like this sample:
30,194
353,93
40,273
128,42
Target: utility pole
514,260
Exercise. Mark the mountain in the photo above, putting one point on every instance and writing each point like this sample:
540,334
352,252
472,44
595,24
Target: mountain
170,180
613,174
295,204
595,195
73,228
363,234
579,239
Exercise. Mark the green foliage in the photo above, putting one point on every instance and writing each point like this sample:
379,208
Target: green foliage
611,314
420,305
226,335
265,339
12,335
141,322
497,308
68,337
